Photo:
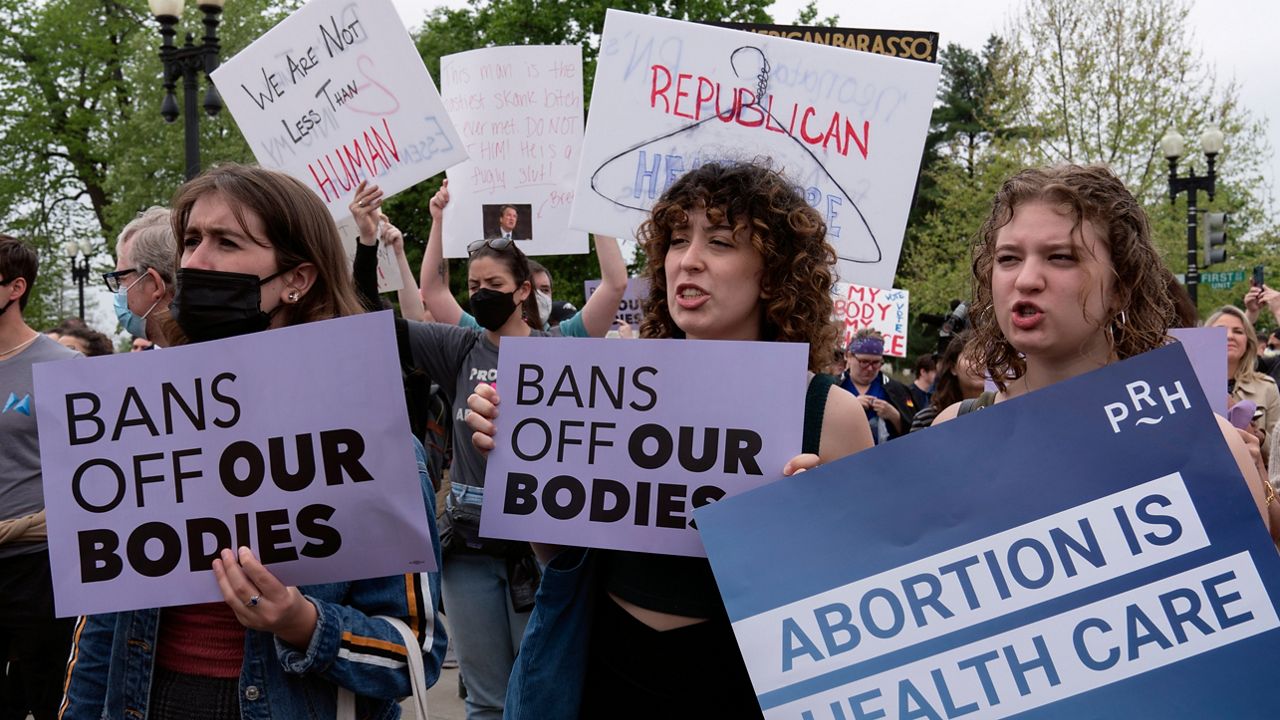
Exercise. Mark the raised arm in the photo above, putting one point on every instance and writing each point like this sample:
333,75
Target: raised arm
410,298
435,273
602,307
364,207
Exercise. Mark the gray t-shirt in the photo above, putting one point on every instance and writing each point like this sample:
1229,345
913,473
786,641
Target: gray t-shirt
20,490
466,355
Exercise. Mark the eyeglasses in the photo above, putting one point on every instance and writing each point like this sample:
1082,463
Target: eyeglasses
112,279
877,362
498,244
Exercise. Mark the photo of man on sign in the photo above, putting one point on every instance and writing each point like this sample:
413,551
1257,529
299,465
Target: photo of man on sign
507,221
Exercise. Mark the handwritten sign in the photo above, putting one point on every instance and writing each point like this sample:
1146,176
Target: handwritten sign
336,94
153,462
631,306
1115,567
613,444
848,128
858,307
389,279
519,111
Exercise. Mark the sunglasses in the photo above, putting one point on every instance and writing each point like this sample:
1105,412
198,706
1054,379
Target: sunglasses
112,279
498,244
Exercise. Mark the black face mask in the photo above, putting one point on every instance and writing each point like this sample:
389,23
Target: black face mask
212,305
492,308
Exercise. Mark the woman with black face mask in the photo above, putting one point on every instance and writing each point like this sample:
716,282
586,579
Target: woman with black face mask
257,250
488,584
595,319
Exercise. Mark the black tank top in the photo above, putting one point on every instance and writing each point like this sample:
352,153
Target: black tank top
684,585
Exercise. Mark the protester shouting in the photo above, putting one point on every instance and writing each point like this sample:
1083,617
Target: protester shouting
1067,280
257,251
734,253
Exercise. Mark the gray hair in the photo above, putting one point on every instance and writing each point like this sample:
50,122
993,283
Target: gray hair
151,243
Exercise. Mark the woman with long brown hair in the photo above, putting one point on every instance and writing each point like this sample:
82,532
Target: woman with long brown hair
733,253
257,251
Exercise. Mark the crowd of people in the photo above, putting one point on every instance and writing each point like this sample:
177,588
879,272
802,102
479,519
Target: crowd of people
1066,280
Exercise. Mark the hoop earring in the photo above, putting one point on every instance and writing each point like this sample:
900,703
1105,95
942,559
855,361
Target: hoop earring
1117,325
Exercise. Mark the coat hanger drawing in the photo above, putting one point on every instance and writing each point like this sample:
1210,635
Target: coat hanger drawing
875,254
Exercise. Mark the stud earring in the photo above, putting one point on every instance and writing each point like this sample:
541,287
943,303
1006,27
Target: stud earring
293,296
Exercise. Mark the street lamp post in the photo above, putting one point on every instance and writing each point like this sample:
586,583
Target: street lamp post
79,254
1173,146
187,62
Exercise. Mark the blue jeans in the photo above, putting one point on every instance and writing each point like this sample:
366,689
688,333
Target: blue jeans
486,630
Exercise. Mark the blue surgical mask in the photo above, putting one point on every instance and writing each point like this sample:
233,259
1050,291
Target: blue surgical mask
134,324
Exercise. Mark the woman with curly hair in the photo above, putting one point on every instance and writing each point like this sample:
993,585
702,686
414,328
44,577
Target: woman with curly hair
1067,280
734,253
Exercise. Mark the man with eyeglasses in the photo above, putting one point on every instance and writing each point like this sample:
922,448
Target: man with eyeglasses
34,644
886,401
143,279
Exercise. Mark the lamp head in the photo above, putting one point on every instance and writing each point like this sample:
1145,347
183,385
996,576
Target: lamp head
1173,145
166,8
1212,141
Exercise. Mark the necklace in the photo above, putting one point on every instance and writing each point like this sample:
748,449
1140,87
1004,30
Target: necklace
20,345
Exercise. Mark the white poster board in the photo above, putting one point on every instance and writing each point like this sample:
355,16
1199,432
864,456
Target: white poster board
519,112
847,127
389,279
885,311
336,94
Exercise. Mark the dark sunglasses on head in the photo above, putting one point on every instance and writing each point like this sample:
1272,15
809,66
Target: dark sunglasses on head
112,279
498,244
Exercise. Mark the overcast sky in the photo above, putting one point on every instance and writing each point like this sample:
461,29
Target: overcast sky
1219,27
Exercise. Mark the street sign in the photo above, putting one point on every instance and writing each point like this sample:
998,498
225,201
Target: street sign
1222,280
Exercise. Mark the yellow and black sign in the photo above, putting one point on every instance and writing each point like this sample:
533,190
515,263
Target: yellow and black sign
921,46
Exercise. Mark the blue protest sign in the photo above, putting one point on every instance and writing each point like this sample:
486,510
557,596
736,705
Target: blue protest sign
1088,550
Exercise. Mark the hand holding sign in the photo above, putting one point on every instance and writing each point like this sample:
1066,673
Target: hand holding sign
365,209
614,445
260,601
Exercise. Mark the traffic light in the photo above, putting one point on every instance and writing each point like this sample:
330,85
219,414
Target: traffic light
1215,238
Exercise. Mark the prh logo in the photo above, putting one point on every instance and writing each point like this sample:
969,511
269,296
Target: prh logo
1141,401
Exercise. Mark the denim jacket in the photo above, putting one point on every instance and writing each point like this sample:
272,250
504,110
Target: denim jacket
109,672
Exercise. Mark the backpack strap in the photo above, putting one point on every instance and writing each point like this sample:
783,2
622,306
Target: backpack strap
815,407
986,399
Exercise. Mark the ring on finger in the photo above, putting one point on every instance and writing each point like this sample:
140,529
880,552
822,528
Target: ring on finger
253,601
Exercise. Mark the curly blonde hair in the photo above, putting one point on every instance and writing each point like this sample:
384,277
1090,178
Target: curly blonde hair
1142,308
790,236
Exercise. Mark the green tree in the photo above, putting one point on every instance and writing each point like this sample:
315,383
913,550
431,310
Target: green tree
80,126
972,146
1106,78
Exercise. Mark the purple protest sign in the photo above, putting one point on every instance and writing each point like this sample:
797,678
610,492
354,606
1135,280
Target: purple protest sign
293,442
631,306
613,444
1207,350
